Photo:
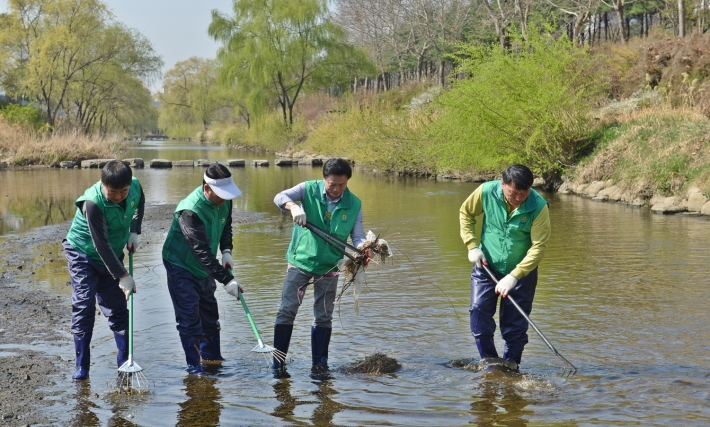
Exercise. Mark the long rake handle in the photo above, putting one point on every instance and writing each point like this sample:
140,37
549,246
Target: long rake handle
251,320
130,307
539,332
333,241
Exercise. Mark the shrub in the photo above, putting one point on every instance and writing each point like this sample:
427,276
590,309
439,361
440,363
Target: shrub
23,115
530,105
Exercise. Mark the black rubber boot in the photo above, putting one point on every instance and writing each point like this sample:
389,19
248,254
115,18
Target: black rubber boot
282,339
192,354
320,339
121,339
210,348
83,357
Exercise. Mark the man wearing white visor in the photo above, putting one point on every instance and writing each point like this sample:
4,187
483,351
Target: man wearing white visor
202,223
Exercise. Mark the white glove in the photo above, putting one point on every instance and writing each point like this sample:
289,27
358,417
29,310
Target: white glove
132,244
127,285
227,261
233,288
299,217
476,256
505,285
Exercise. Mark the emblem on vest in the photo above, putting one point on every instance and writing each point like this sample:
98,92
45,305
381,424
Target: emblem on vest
133,203
327,215
224,220
523,219
345,217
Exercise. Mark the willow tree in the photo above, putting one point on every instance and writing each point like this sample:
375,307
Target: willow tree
190,93
61,53
274,49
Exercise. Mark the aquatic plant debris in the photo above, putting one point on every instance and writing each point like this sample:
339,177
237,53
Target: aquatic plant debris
375,364
354,268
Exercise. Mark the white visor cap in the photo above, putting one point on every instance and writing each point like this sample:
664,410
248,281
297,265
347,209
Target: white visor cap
225,188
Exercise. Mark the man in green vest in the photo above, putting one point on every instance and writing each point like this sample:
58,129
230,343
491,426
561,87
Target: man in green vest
505,225
108,218
202,224
329,205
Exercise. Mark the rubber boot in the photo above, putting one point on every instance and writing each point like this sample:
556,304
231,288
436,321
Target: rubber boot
210,348
320,339
192,354
83,357
121,339
486,347
282,339
513,353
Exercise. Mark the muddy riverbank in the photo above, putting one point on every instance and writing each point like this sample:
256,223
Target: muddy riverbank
31,318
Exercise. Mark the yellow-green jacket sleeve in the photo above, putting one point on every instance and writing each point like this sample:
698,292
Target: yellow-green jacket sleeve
539,235
470,215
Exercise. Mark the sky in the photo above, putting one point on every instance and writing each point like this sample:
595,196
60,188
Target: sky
177,29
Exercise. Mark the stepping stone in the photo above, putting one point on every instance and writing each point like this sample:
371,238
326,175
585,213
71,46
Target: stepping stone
236,162
94,163
136,162
161,164
205,163
188,163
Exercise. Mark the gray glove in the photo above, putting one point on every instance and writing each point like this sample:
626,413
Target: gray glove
233,288
127,285
476,256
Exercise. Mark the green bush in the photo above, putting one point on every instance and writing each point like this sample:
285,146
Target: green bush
530,104
23,115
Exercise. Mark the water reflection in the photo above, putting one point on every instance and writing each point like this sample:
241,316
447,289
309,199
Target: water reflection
324,413
25,214
202,407
84,414
499,403
287,403
325,410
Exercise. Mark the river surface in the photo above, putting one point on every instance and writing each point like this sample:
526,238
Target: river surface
622,294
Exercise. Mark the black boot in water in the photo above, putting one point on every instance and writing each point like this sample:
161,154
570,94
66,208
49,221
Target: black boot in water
320,340
282,339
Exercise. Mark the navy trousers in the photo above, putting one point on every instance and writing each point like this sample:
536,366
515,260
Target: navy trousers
513,325
196,311
91,282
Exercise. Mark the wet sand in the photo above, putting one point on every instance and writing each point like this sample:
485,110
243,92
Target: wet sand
30,379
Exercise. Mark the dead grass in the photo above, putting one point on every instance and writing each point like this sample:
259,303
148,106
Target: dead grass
21,147
665,148
375,364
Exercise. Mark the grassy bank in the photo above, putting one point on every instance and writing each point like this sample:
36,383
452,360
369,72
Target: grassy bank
663,149
22,145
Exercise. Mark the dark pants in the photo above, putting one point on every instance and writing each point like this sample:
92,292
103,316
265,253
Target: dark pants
513,325
196,311
92,282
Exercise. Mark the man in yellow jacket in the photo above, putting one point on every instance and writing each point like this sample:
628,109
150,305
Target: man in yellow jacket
514,230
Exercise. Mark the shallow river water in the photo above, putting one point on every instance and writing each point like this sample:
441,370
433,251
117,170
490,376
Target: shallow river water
622,294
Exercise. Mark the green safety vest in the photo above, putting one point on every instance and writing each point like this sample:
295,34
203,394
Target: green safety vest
505,241
308,251
176,249
117,219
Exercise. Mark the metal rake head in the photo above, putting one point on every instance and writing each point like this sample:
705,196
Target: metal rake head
130,377
269,352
